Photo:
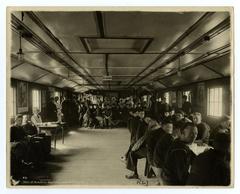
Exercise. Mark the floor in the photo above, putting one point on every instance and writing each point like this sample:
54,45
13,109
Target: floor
92,157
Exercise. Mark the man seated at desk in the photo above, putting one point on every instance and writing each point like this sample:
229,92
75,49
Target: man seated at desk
213,166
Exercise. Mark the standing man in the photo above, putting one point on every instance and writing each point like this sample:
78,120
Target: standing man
186,106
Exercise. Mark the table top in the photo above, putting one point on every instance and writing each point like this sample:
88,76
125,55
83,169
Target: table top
50,124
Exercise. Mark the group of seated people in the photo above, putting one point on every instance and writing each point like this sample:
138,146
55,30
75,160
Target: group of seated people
102,116
179,149
30,148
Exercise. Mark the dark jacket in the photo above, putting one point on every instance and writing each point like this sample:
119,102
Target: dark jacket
210,168
203,132
17,134
161,149
151,141
51,111
30,129
177,163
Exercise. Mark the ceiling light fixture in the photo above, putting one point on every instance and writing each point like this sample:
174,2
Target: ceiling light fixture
20,53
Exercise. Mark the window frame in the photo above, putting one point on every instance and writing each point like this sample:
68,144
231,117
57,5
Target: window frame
219,102
39,92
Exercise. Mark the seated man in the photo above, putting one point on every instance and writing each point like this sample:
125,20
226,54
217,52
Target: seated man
138,150
224,126
161,149
155,135
17,132
203,128
28,126
35,143
99,116
36,118
213,167
18,149
107,117
132,128
179,157
179,116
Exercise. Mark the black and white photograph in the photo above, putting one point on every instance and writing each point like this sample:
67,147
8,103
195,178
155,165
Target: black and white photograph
118,97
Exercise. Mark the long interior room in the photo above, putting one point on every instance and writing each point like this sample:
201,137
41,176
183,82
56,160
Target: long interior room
120,98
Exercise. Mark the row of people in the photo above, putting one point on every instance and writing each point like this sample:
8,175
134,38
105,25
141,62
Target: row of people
29,148
179,150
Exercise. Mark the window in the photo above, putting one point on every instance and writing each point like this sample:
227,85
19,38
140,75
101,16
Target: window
13,101
188,94
166,95
36,99
214,100
56,93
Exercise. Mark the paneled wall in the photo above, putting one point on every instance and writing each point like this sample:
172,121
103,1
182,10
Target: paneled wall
46,93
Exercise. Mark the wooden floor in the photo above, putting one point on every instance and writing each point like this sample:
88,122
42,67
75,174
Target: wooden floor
92,157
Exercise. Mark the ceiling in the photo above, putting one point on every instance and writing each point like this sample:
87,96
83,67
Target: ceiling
120,50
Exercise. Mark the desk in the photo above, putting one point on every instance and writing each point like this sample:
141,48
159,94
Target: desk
53,128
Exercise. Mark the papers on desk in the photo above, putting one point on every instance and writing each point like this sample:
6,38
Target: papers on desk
197,149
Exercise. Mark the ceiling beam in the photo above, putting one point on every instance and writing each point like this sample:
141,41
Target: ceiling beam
112,53
213,70
225,24
41,77
15,66
42,26
85,45
147,45
112,85
100,24
176,42
162,83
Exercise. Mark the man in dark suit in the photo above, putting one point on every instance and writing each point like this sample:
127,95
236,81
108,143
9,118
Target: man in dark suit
180,157
51,110
213,166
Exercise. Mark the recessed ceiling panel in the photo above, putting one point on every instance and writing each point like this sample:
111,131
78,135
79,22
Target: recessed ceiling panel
116,45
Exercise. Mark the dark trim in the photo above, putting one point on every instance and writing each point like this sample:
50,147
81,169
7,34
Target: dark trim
40,77
85,45
15,66
106,64
112,85
146,45
162,83
100,24
98,53
119,37
213,70
106,69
